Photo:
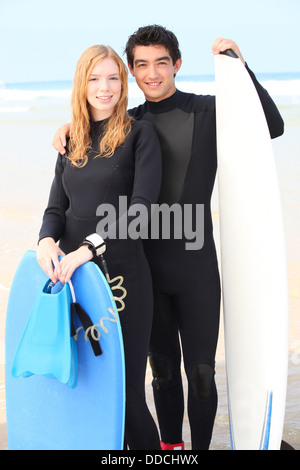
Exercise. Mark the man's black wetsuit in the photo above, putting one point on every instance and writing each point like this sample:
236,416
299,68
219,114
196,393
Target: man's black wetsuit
186,283
134,171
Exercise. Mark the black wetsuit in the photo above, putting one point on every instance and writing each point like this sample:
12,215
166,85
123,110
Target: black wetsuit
186,283
133,171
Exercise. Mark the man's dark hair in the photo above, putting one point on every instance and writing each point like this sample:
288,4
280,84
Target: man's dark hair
150,36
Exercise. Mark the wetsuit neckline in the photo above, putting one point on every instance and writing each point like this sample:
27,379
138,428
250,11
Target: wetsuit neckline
96,124
97,128
165,105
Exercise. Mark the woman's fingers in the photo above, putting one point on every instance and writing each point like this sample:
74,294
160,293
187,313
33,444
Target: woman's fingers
72,261
47,257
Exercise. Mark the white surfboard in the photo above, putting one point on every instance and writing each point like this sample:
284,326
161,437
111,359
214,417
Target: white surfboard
253,263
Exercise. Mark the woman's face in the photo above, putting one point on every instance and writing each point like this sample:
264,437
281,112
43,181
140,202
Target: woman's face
103,89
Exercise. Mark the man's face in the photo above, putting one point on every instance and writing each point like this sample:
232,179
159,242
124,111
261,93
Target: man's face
154,71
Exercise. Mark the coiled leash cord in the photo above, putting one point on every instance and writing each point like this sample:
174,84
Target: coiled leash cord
93,331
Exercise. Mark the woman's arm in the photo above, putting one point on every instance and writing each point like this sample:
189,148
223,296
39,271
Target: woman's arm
53,224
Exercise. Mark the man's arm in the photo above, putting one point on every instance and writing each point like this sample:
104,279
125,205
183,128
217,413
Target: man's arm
60,138
273,117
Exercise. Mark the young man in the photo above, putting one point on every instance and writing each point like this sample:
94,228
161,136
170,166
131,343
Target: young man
186,282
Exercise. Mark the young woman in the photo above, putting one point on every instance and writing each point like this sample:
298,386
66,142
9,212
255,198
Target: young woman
109,155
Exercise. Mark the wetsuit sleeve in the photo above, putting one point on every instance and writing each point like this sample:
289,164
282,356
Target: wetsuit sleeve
273,117
148,167
54,216
146,185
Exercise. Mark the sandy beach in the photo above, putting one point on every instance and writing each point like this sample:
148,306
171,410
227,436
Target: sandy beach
26,164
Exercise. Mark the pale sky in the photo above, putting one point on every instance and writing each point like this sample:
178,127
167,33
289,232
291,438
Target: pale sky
42,40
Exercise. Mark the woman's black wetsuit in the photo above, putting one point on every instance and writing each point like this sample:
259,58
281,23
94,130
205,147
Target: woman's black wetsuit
186,282
133,171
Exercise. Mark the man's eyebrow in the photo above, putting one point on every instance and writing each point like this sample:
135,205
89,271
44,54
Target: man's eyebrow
159,59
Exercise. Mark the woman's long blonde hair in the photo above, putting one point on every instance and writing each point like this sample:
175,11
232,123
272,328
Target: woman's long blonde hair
118,125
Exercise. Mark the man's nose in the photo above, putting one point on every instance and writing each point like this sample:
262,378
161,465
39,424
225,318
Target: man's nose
153,72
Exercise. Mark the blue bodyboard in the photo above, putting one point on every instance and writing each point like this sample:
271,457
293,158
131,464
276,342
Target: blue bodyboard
45,414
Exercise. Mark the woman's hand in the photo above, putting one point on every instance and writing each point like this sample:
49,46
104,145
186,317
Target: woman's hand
48,253
47,256
72,261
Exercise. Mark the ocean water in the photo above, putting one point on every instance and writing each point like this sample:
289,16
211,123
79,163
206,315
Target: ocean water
30,113
51,100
